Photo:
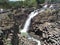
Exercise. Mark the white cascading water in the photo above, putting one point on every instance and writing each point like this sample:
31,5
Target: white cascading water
34,13
45,6
27,24
51,6
1,10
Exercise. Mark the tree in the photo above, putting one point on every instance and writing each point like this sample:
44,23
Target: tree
4,3
30,3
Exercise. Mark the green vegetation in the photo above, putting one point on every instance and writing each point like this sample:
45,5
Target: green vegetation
26,3
30,3
3,3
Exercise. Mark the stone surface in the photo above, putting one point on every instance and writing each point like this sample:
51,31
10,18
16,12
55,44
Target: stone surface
46,26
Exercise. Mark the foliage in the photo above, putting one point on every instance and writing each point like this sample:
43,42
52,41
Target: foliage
3,3
30,3
26,3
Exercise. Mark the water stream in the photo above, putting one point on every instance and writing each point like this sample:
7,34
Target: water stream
28,21
51,6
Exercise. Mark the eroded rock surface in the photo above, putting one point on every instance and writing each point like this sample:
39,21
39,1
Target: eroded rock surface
10,24
46,27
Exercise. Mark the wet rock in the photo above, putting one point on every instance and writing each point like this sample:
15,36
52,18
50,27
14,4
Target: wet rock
48,25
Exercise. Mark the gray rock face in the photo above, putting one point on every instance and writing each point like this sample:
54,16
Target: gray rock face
46,26
9,27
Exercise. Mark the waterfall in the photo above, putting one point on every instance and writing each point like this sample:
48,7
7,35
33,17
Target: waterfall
33,14
51,6
1,10
26,26
27,23
45,6
38,41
